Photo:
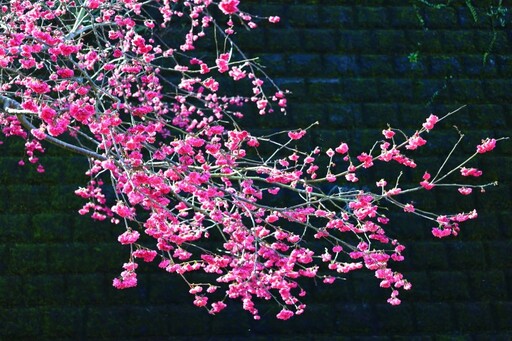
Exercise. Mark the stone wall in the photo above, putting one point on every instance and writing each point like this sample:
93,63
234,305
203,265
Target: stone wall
354,66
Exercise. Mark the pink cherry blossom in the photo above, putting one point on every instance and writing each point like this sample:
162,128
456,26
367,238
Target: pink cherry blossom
223,62
123,211
296,135
285,314
388,133
441,233
381,183
486,146
431,121
229,6
409,208
415,141
425,183
470,172
465,190
129,237
342,148
146,255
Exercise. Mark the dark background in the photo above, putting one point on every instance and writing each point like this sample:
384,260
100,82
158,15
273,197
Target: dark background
354,66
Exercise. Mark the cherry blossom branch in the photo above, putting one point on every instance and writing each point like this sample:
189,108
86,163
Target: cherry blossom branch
20,114
184,174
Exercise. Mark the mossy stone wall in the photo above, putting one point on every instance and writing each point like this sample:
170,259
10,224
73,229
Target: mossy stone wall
354,66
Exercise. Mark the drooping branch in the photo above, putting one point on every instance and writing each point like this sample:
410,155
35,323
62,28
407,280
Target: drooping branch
9,103
181,167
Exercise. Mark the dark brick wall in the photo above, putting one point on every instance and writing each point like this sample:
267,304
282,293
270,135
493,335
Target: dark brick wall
351,66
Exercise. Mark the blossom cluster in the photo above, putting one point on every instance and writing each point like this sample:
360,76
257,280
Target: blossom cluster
158,121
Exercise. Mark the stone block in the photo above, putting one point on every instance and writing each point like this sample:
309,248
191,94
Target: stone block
420,291
13,285
449,286
252,42
343,116
48,227
94,260
84,229
474,66
319,41
44,290
277,63
4,258
296,86
12,147
27,259
493,43
366,288
393,320
305,64
486,227
453,202
496,201
197,320
12,227
166,288
443,66
375,66
488,117
504,63
360,90
355,41
25,198
471,19
502,314
405,65
473,316
299,16
63,323
59,169
497,90
379,115
504,219
430,41
340,66
309,326
466,255
268,9
467,91
395,90
356,319
107,322
429,256
284,40
86,288
440,18
371,17
412,115
21,323
434,317
386,41
488,285
325,90
498,253
302,115
153,322
404,17
338,16
431,91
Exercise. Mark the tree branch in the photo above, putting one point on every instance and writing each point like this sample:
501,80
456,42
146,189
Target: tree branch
9,103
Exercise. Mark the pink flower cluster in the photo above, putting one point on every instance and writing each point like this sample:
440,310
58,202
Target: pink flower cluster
183,173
